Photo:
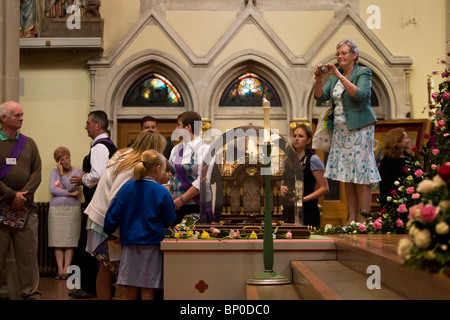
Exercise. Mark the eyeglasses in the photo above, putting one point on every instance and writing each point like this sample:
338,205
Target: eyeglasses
341,54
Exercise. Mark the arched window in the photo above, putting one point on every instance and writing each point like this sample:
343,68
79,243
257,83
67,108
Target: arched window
249,90
153,90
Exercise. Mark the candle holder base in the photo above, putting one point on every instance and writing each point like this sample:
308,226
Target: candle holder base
268,278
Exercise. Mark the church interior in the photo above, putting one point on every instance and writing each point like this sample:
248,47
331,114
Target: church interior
192,56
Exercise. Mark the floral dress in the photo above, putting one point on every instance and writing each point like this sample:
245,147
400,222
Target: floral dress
351,158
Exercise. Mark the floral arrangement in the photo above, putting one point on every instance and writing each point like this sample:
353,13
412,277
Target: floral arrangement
393,215
428,225
186,229
438,150
429,220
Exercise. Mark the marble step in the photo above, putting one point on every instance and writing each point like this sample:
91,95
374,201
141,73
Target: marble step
331,280
358,253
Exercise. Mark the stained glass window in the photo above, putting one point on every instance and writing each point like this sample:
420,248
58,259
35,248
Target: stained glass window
249,90
153,90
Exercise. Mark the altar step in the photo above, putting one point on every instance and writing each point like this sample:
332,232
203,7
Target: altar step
321,280
331,280
350,276
359,252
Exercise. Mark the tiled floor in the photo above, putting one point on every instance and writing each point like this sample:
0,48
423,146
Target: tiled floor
52,289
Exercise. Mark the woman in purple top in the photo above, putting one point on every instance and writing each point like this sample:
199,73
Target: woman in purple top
64,215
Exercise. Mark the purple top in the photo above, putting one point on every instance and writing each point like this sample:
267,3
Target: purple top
60,187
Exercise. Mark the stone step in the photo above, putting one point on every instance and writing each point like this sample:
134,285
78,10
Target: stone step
359,253
271,292
331,280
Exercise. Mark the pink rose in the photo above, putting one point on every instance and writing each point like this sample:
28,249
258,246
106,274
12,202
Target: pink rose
441,123
435,96
361,227
446,96
418,173
399,223
413,210
214,230
433,167
401,208
428,213
377,225
435,151
410,190
416,196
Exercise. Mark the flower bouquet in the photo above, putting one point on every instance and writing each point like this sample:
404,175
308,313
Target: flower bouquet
428,225
429,220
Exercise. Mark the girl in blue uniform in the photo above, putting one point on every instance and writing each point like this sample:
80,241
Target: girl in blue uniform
143,209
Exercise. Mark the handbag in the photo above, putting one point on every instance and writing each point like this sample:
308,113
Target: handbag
15,218
102,253
322,137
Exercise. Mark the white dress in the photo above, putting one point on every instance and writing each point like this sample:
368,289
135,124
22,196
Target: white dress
351,158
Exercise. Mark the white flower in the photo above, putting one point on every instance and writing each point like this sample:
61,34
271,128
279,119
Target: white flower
442,228
397,183
444,205
401,189
438,182
328,227
388,199
444,247
352,223
413,230
423,238
430,255
404,248
425,186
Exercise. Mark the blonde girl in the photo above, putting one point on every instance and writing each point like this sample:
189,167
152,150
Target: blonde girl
143,209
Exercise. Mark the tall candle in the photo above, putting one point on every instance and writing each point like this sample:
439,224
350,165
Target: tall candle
266,108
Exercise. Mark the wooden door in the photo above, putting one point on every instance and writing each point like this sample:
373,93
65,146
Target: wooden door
129,129
333,205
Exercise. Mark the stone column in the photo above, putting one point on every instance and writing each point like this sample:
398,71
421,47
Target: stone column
10,51
9,90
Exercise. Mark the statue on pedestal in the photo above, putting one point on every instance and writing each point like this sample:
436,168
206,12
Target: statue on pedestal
28,18
56,8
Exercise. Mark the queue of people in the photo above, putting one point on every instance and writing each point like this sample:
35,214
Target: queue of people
116,185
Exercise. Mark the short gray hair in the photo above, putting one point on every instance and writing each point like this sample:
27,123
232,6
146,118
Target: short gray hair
5,110
351,45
